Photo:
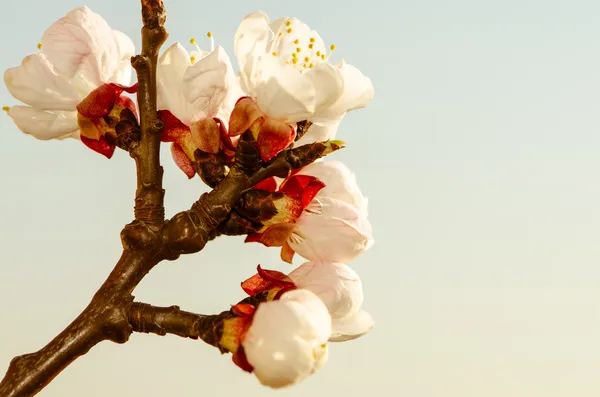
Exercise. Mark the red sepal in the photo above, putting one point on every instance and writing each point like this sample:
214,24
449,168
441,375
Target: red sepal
100,146
304,187
240,359
266,280
243,310
173,129
269,184
182,160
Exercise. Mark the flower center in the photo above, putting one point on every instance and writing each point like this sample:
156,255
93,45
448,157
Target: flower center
195,56
295,44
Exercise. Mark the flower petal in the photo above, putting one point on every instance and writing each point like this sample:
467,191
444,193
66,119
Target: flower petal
330,85
44,125
286,341
336,233
250,43
36,83
171,68
207,83
351,327
340,183
126,50
336,284
358,92
286,94
81,44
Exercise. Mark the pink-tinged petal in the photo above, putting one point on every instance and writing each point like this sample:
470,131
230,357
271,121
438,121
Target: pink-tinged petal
336,232
174,130
318,133
351,327
274,236
245,113
287,253
340,183
243,309
358,92
250,44
171,68
182,160
266,280
99,146
274,136
206,83
305,187
269,184
82,44
44,125
36,83
126,50
206,135
286,94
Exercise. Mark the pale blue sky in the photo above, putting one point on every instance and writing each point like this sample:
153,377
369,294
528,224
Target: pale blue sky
480,158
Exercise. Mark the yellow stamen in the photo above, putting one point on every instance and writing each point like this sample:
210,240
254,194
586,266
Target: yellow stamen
274,53
6,108
296,41
332,47
192,41
289,30
39,46
209,35
279,34
312,39
288,23
298,49
306,59
294,55
192,59
323,56
311,65
295,61
311,45
318,53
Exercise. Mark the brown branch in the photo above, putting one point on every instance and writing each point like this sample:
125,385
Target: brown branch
149,195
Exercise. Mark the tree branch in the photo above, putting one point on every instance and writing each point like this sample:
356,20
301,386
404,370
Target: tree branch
149,196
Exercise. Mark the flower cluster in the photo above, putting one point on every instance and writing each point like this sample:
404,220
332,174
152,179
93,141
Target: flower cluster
287,94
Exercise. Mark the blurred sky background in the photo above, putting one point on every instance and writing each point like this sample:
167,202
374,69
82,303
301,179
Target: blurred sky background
479,156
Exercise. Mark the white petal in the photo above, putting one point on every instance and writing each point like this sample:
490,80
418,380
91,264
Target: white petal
44,125
338,233
171,68
126,50
358,92
286,95
81,44
36,83
207,83
318,132
284,344
340,183
250,45
314,311
329,83
351,327
336,284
